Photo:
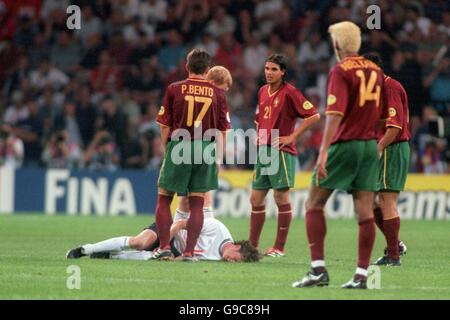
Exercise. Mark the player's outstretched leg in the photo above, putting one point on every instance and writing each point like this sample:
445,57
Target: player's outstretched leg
113,244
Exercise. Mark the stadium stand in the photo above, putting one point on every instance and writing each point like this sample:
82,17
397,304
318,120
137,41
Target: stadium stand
88,98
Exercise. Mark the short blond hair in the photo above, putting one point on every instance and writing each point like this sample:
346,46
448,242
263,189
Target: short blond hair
347,35
220,76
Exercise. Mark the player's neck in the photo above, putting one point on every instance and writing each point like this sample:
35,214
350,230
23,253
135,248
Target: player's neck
348,55
275,86
196,76
225,247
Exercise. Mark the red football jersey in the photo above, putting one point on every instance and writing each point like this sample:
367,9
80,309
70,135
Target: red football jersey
354,92
193,102
280,110
395,109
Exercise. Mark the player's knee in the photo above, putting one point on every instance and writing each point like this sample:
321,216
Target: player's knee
315,204
256,201
386,204
183,204
281,197
134,243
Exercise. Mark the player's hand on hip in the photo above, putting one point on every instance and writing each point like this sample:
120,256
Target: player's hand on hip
280,142
322,164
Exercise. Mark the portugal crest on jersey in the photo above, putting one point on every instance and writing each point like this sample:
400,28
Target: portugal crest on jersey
276,102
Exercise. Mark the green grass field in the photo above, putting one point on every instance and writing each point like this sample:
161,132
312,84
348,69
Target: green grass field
33,266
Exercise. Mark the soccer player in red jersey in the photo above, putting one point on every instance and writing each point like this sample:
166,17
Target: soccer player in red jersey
348,154
190,109
394,153
279,106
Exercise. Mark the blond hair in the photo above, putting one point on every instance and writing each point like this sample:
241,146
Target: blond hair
220,76
347,35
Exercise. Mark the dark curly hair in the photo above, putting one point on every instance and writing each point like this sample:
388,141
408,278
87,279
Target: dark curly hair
281,61
248,251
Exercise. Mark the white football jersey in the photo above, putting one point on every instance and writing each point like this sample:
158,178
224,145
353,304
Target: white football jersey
213,236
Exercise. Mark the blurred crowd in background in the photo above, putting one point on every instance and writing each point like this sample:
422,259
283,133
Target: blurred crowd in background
88,98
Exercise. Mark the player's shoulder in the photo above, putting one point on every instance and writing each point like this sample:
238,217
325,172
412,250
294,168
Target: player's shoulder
339,68
290,88
264,88
176,84
392,84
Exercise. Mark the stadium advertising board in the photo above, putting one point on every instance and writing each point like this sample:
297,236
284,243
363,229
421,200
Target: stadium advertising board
133,192
78,192
425,197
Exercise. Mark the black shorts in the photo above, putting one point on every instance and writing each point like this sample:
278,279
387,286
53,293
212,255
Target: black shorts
155,245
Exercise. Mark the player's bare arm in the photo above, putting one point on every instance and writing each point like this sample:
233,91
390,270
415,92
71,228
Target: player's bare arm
389,137
165,131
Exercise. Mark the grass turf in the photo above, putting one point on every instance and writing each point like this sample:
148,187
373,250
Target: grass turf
32,263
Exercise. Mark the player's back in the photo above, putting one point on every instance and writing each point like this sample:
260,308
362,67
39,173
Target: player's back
355,86
194,103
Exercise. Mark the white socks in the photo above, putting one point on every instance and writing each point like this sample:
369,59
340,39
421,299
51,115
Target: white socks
113,244
361,272
180,215
132,255
318,263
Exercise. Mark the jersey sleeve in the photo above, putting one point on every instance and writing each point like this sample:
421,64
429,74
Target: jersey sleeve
338,93
224,117
394,108
164,117
300,107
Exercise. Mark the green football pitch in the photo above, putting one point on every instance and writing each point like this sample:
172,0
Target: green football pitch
33,264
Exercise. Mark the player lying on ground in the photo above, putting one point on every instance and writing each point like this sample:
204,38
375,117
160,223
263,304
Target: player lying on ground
214,243
394,154
148,239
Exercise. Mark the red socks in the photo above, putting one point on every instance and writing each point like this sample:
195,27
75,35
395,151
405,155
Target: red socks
163,220
257,219
378,215
391,229
366,240
194,223
284,220
316,229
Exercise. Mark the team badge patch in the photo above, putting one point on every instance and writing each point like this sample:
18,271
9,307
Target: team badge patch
392,112
161,111
307,105
276,102
331,99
